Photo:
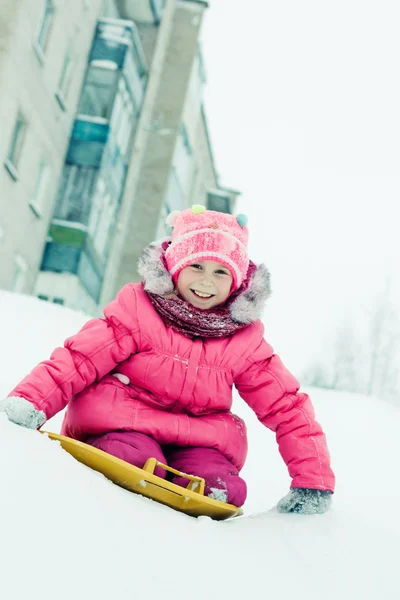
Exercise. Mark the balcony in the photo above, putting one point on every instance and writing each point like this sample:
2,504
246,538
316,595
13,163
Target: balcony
69,250
112,94
98,155
143,11
113,39
88,138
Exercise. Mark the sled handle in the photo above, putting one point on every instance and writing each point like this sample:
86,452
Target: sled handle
194,481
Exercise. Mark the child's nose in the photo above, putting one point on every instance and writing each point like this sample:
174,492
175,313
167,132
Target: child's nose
207,281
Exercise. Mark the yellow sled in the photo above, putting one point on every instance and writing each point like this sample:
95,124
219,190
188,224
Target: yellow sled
144,482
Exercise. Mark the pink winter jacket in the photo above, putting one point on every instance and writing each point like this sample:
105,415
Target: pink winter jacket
177,389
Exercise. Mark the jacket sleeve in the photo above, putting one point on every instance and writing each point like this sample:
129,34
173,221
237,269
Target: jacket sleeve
273,393
86,357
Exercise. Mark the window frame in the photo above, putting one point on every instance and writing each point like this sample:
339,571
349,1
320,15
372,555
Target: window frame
16,145
45,26
65,78
75,180
94,69
123,118
40,187
102,218
20,269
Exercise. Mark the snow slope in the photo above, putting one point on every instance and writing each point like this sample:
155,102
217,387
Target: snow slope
66,532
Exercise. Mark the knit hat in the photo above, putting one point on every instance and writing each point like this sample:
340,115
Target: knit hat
201,234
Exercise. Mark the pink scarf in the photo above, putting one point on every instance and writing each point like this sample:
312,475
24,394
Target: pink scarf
196,322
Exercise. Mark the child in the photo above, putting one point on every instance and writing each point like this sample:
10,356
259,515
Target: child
154,377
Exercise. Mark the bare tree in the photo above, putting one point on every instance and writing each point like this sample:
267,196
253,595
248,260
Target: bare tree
318,375
345,371
383,340
365,357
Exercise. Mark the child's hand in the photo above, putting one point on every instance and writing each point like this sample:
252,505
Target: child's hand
21,412
305,501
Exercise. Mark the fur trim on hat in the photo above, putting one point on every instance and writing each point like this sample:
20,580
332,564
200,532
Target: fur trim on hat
157,279
247,306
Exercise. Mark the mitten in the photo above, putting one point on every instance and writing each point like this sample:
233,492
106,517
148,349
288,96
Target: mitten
22,412
305,501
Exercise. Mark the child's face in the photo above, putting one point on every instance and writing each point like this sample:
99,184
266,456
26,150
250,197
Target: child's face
205,284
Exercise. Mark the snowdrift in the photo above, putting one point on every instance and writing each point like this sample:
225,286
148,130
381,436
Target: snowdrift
67,532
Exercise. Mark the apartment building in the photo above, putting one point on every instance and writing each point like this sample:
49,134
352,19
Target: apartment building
104,133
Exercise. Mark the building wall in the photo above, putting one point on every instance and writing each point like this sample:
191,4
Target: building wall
205,177
155,144
29,80
93,177
65,288
170,165
148,35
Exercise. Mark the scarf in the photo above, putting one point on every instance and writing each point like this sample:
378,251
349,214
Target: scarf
194,322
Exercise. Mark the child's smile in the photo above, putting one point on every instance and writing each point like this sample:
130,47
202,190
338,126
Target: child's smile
202,294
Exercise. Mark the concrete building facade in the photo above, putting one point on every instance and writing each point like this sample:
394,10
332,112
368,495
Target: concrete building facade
103,134
42,64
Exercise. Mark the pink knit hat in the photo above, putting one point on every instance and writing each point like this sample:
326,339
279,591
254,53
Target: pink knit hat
201,234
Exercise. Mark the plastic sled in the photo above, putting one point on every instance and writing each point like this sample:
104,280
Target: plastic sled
144,482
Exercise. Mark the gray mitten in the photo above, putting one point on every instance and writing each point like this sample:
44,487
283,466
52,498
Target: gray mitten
305,501
22,412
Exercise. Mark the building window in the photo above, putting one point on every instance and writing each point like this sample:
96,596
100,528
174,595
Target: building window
102,219
74,198
99,91
136,76
219,201
54,299
123,117
40,188
65,77
46,23
20,273
175,196
17,141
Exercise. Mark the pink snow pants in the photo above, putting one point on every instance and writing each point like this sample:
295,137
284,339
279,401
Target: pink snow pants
221,476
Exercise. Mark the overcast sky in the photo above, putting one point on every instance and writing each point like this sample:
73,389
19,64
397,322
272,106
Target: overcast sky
303,102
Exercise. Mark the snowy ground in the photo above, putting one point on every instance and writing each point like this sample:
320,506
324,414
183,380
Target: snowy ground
66,532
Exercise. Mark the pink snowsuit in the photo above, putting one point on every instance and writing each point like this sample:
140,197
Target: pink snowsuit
176,389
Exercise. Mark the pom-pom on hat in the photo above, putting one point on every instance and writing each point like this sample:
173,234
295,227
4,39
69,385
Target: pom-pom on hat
201,234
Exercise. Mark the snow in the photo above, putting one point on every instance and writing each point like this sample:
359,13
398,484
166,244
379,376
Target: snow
67,532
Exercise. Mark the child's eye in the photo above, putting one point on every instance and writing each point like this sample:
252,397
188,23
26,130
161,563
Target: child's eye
196,266
221,272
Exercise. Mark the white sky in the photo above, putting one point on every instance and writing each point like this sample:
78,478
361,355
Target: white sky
303,101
